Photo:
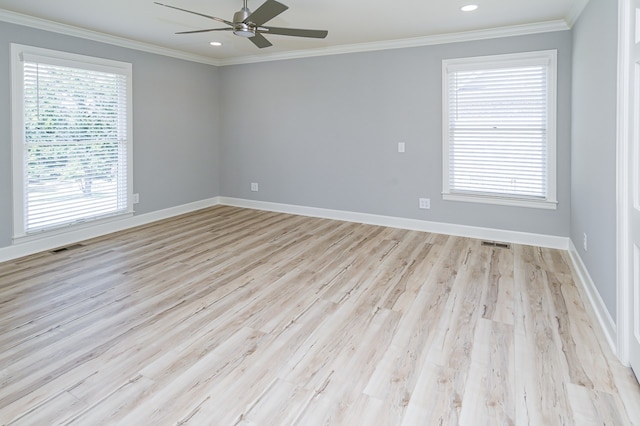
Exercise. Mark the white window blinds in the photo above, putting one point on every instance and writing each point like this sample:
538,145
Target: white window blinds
76,146
499,135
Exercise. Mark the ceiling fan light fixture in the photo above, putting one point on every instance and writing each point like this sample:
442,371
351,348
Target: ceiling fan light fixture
469,7
244,30
244,33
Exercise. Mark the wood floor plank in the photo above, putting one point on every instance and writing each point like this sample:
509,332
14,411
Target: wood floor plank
281,403
499,305
595,408
235,316
396,374
488,397
452,350
541,368
61,405
341,388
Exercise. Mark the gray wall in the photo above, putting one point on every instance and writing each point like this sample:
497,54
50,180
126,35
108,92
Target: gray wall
175,123
593,178
319,132
323,132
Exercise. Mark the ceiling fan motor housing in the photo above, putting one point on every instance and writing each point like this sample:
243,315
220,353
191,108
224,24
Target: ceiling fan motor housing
240,28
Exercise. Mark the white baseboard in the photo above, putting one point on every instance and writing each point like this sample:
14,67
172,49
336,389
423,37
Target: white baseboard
603,316
76,235
501,235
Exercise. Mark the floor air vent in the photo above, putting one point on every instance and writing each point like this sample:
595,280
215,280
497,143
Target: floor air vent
66,248
497,245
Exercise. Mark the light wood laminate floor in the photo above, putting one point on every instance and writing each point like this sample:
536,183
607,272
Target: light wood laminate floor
233,316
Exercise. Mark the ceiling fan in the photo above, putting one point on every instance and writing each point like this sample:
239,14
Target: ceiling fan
250,24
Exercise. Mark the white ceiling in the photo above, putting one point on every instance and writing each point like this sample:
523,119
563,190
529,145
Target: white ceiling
352,25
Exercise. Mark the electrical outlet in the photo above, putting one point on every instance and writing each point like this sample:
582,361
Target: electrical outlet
254,186
424,203
400,146
584,241
136,198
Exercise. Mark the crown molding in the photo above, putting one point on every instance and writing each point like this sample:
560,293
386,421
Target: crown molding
515,30
576,11
56,27
510,31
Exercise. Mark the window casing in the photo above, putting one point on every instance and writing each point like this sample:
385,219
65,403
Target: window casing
72,144
499,129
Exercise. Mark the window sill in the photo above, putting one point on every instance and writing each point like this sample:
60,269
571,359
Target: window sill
502,201
65,229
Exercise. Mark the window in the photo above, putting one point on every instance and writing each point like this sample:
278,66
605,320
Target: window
499,131
71,139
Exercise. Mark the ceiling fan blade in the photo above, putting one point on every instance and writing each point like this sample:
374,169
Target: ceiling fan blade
205,31
266,12
260,41
224,21
295,32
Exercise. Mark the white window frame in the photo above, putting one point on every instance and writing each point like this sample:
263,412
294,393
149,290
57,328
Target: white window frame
547,58
18,53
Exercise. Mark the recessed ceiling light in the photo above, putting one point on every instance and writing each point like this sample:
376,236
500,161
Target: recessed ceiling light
469,7
215,43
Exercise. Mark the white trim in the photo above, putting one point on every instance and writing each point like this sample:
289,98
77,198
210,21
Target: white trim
515,30
603,316
510,31
71,237
502,235
65,229
623,255
56,27
502,201
26,53
17,134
